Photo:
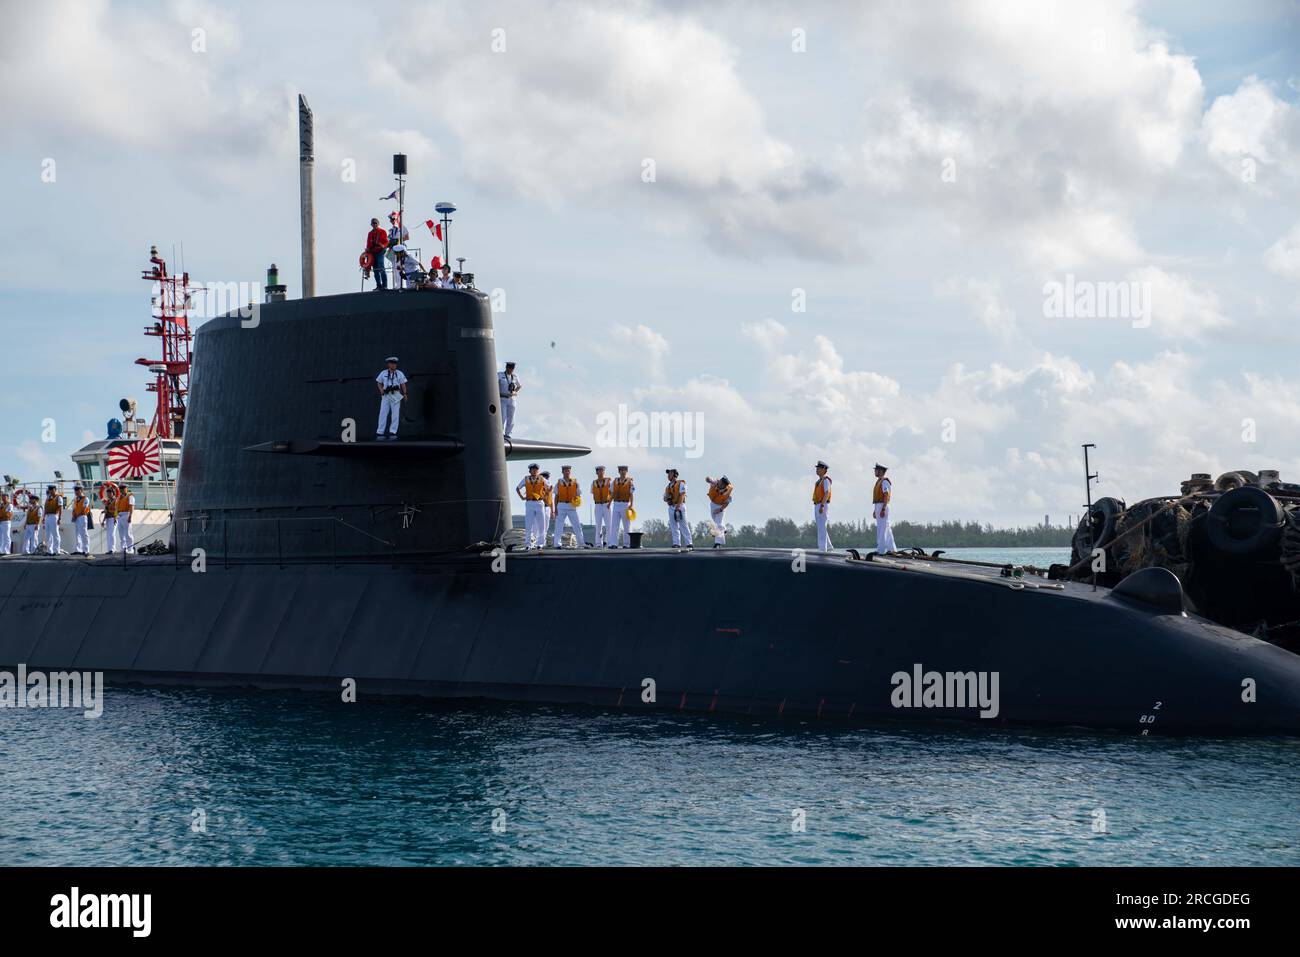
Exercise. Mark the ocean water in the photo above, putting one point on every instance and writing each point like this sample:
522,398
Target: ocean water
296,778
1041,557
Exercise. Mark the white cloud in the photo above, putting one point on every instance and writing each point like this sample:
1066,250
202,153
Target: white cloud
1283,257
1253,123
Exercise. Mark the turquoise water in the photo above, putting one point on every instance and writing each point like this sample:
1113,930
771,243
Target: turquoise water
293,778
1042,557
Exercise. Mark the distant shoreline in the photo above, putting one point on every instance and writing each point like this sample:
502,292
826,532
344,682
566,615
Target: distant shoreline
786,533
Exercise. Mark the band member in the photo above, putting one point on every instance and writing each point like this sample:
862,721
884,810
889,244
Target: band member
568,496
508,386
391,384
6,523
720,490
880,511
822,505
675,496
602,495
624,491
532,490
81,520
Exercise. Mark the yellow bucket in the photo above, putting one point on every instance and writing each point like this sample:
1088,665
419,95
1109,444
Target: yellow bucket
631,515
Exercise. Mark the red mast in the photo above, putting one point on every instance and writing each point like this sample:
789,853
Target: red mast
171,305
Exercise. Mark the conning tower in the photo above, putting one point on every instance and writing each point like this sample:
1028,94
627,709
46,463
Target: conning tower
280,460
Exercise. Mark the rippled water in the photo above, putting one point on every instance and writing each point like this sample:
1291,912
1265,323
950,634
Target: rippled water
293,778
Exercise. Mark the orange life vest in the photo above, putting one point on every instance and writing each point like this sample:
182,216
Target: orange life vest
600,491
80,507
34,513
566,492
675,492
546,493
822,490
535,489
6,512
124,506
623,489
878,494
720,496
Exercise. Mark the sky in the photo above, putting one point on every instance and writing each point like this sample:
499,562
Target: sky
960,239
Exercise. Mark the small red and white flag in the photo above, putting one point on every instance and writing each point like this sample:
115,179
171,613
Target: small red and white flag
435,228
135,459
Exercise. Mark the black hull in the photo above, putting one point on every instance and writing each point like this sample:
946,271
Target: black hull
730,632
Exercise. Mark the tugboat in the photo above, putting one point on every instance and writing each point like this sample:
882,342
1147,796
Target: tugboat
1233,542
304,555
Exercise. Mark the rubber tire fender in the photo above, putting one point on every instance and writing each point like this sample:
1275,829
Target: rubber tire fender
1268,526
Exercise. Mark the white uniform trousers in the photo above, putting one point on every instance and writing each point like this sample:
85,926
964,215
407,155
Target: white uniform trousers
124,537
110,533
680,529
508,413
604,525
53,543
534,524
884,534
390,407
545,526
81,524
29,539
566,513
822,516
716,513
622,530
6,535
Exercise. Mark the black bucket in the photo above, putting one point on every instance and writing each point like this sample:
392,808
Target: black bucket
635,538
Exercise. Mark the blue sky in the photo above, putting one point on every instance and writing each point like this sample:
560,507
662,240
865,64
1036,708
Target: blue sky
1149,143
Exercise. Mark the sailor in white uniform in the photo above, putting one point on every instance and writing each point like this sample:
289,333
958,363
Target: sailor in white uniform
53,512
880,511
821,497
6,522
568,496
675,497
125,512
602,495
32,528
532,490
508,386
81,520
624,492
392,390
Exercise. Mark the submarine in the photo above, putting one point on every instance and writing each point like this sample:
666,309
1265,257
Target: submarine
304,555
301,557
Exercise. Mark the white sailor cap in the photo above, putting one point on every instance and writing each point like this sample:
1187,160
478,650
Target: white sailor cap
533,465
883,468
399,248
600,468
391,359
821,465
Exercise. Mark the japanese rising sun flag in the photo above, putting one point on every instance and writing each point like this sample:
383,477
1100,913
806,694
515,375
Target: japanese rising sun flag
135,459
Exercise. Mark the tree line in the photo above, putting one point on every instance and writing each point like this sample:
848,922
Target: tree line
787,533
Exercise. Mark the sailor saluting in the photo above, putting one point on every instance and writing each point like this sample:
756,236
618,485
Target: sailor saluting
880,511
508,386
392,390
821,497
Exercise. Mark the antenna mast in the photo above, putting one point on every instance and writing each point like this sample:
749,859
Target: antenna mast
171,305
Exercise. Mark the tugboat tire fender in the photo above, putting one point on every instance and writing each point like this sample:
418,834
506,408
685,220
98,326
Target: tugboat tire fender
1244,521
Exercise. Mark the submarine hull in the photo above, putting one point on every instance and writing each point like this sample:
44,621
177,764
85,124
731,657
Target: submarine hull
741,632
